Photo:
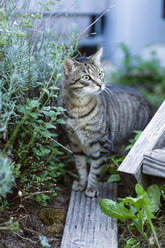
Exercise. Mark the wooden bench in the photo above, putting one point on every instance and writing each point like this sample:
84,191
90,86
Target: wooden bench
135,168
86,226
154,163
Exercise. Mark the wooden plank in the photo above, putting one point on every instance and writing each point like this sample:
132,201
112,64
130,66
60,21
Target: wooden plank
86,225
153,137
154,163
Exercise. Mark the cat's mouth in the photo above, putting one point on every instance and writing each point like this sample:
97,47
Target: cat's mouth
101,88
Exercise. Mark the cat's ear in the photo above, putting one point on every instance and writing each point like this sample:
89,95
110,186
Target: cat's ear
97,56
69,65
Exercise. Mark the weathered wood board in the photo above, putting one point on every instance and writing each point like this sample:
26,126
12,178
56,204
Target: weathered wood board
86,226
154,163
153,137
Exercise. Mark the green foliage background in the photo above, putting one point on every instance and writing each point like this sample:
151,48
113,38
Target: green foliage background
146,75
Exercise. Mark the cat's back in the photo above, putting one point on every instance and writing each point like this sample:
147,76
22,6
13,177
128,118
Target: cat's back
122,91
127,110
124,97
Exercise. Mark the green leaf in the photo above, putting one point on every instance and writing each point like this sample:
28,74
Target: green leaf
137,202
51,2
48,125
132,141
45,7
147,205
147,213
117,161
154,196
128,147
104,171
115,210
61,121
130,242
112,170
44,241
113,178
46,91
34,115
139,190
60,109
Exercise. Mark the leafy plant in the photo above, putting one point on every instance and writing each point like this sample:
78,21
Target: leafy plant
9,225
113,162
140,209
132,141
132,243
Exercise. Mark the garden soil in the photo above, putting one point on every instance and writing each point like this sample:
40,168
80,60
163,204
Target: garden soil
34,219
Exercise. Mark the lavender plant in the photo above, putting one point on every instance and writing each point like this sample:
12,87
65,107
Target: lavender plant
30,72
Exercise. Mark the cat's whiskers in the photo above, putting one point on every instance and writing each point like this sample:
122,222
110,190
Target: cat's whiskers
107,90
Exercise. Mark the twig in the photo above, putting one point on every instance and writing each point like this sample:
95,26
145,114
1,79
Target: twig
88,35
24,217
34,242
26,196
105,12
32,231
53,140
53,239
4,228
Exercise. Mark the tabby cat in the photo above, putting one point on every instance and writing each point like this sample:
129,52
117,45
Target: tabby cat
99,118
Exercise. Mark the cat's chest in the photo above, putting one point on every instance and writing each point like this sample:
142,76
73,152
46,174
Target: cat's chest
78,133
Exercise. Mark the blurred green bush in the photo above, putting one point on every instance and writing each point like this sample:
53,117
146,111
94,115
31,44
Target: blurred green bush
146,75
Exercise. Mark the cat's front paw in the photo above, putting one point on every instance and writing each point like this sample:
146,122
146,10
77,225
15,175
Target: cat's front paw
90,192
78,186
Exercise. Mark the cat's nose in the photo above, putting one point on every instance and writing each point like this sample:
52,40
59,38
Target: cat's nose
99,83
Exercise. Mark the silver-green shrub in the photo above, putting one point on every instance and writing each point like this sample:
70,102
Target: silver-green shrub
30,74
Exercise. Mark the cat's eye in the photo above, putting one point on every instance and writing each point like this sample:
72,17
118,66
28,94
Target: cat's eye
86,77
101,74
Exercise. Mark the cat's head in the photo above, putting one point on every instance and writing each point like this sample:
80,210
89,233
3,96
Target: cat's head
84,75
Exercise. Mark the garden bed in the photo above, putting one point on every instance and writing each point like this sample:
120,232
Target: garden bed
34,220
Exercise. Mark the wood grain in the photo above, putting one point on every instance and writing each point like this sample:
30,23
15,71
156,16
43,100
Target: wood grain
86,226
154,163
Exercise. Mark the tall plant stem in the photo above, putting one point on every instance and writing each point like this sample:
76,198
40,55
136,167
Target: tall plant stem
152,227
142,233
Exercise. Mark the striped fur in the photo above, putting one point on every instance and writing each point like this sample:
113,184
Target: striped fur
99,118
